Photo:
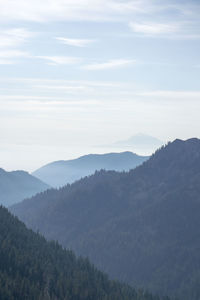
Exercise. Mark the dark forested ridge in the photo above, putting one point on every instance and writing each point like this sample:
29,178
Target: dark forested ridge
141,227
60,173
18,185
33,269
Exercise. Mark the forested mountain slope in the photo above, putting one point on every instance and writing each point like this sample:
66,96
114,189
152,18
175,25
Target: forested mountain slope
33,269
59,173
141,227
18,185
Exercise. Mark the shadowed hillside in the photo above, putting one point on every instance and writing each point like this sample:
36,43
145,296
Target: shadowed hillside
33,269
141,227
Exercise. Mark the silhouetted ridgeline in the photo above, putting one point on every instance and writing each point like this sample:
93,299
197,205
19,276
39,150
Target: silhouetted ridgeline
33,269
141,227
18,185
60,173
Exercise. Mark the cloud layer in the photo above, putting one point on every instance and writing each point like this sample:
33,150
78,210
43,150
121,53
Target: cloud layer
60,60
93,71
75,42
48,10
111,64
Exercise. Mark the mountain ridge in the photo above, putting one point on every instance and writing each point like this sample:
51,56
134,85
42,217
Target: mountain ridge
144,220
18,185
33,269
59,173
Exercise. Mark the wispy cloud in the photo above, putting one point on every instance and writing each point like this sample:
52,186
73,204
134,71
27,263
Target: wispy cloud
111,64
75,42
90,10
153,28
14,37
45,102
9,57
188,29
48,10
58,84
66,89
170,94
10,42
60,60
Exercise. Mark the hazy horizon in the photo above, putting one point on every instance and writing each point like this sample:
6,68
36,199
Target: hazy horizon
76,75
42,155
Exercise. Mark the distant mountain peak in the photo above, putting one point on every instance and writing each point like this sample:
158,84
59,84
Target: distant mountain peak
140,140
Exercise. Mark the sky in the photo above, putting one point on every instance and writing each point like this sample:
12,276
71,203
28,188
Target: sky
76,75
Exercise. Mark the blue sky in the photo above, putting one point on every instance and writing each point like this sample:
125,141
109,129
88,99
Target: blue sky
78,74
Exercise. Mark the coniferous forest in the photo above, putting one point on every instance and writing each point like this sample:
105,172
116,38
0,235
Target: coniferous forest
99,150
32,269
141,227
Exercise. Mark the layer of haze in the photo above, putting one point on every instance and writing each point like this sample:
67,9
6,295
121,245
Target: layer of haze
76,75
